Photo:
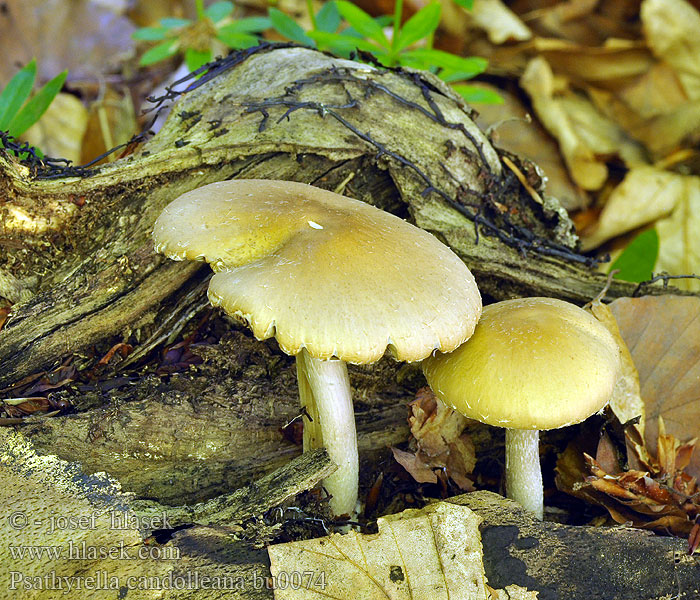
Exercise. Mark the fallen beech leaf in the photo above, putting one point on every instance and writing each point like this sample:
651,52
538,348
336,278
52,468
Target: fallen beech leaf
60,130
679,235
626,402
500,23
111,121
431,553
606,66
439,442
671,28
663,337
421,471
645,195
512,129
586,137
656,499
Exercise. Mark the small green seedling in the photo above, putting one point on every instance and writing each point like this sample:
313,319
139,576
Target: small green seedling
18,112
194,38
367,34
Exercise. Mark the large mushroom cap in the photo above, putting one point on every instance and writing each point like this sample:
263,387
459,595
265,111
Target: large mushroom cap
532,363
321,271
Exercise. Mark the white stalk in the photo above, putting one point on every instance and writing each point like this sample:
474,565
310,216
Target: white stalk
324,390
523,470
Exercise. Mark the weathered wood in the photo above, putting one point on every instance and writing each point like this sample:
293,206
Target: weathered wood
563,562
398,139
190,436
298,475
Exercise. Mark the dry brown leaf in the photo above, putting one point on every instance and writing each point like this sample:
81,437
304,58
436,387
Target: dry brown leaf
420,470
62,34
671,28
111,122
663,336
626,402
512,129
654,499
60,130
646,194
609,66
439,442
586,137
679,236
500,23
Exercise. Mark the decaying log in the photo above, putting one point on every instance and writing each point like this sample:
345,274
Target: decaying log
247,502
53,504
562,562
194,435
399,139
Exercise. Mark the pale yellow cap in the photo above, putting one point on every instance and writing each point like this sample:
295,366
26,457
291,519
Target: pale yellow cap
320,271
532,363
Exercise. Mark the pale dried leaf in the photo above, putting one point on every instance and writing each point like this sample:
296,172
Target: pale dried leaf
644,195
671,28
665,133
60,130
663,336
431,553
626,402
512,130
433,424
586,137
608,66
500,23
679,236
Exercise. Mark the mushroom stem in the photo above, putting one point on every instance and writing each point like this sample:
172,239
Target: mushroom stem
324,390
523,471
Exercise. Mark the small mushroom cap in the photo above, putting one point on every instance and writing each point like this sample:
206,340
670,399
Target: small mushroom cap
320,271
532,363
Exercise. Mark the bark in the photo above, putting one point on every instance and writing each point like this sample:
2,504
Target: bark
579,563
398,139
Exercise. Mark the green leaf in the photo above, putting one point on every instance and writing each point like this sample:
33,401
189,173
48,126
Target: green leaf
37,105
459,66
328,18
637,260
219,10
288,27
196,58
150,34
420,25
237,40
247,25
362,22
160,52
16,92
341,44
174,22
468,4
477,95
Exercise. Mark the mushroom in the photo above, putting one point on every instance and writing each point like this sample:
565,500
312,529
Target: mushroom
334,280
532,364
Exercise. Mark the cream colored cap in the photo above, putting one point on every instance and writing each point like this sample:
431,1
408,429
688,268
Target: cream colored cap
321,271
532,363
